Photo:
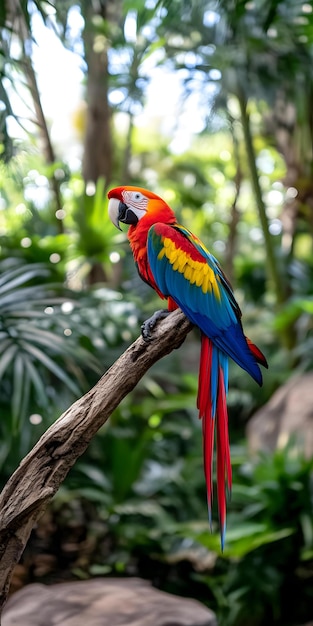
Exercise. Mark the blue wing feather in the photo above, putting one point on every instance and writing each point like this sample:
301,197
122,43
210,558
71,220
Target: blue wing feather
219,319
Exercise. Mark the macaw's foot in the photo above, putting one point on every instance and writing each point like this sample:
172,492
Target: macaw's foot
148,326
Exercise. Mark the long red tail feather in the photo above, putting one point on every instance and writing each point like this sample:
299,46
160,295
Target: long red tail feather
213,410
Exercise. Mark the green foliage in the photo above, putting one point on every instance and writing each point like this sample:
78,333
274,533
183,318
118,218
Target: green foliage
268,553
95,234
25,343
51,339
274,565
151,512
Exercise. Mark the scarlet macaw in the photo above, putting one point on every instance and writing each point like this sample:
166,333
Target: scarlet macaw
180,269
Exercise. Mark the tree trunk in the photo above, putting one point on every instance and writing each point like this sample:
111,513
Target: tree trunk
97,157
272,263
98,145
128,150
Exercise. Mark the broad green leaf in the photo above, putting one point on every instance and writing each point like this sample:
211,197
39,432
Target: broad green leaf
7,356
51,366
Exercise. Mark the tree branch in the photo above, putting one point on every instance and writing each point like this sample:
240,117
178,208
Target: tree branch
41,472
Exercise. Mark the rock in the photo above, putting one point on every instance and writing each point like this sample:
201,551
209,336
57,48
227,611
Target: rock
103,602
289,413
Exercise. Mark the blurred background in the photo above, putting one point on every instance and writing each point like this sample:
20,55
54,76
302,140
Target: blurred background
210,105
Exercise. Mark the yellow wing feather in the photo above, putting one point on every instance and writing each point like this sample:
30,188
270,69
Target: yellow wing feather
195,272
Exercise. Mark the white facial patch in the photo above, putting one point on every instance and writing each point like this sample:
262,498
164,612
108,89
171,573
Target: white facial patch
135,200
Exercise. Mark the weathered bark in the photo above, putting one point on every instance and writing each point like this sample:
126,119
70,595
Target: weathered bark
41,472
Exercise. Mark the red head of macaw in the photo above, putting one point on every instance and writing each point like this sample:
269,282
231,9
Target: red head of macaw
180,269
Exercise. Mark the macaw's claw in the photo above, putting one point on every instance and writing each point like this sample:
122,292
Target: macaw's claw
148,326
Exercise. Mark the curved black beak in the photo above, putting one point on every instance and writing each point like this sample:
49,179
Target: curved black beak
126,215
120,212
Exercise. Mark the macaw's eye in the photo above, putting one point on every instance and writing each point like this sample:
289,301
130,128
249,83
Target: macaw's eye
138,195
